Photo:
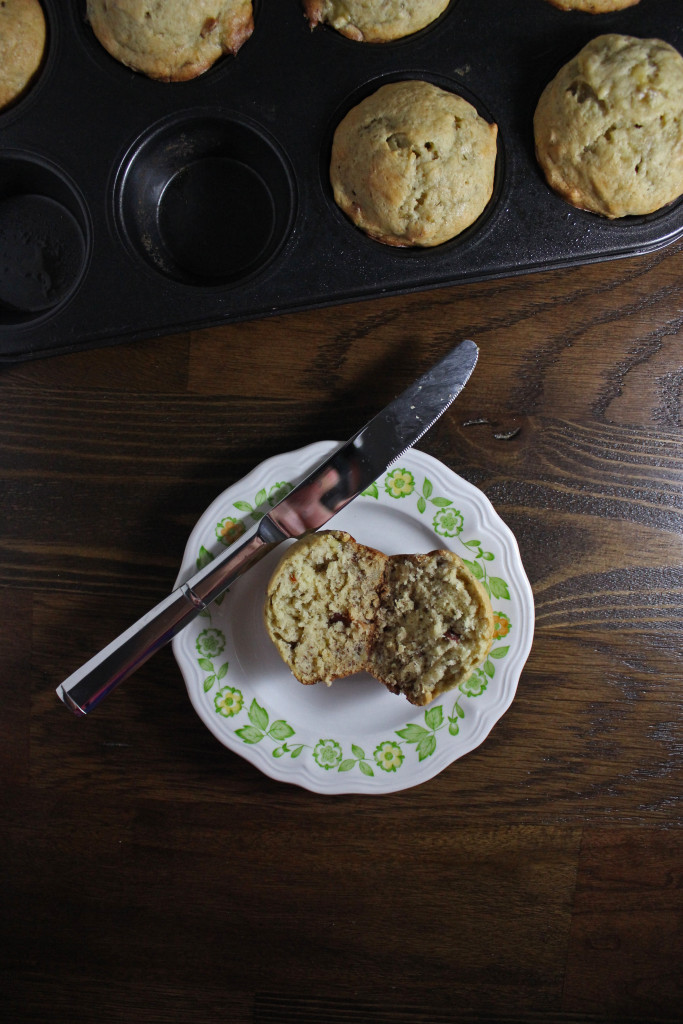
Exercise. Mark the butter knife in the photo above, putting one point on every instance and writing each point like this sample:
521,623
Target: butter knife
326,490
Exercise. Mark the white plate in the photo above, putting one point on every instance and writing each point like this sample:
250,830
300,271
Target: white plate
354,736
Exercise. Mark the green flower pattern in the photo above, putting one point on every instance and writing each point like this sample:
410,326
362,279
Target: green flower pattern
399,483
416,739
228,701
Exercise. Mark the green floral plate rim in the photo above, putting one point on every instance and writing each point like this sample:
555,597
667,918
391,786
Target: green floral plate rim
354,736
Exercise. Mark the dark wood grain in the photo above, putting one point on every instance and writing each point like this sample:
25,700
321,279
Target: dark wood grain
152,876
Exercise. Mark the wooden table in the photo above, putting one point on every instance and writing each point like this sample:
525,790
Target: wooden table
151,875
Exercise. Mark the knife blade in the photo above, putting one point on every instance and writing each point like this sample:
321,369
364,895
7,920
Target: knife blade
327,489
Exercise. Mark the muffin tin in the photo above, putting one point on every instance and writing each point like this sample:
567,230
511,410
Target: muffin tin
132,208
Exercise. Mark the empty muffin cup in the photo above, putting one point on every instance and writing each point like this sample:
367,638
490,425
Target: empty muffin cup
43,239
205,200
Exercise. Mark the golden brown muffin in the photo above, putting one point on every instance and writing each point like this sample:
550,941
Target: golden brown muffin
170,40
374,21
419,624
593,6
609,127
321,605
22,44
413,164
434,625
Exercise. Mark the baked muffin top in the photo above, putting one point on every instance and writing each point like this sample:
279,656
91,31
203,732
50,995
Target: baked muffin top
413,164
170,40
593,6
374,21
22,44
609,127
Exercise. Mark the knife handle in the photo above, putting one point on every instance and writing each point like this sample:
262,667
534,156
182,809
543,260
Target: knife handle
91,683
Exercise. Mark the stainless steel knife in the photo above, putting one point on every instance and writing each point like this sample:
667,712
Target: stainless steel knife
342,476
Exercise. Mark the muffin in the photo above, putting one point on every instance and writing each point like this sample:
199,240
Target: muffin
22,44
608,128
321,605
374,21
413,164
419,624
434,626
593,6
170,40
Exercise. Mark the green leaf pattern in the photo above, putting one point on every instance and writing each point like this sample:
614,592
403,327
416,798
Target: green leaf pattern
416,739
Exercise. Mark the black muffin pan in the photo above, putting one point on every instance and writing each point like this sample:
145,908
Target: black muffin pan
133,208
